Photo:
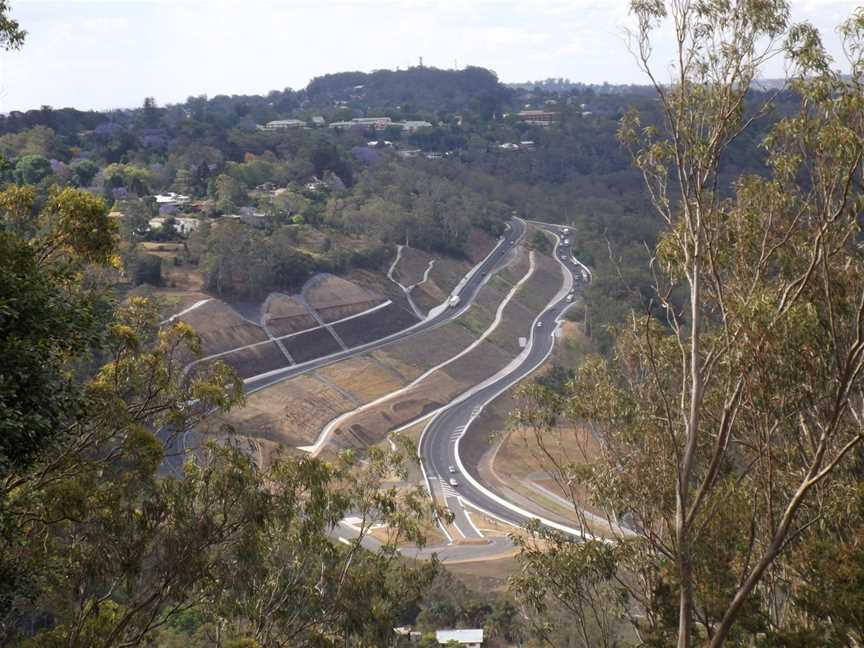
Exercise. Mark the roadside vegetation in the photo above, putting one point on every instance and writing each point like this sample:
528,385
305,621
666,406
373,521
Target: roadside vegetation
708,406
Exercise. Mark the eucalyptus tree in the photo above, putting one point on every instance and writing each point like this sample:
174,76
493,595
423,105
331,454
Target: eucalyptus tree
728,424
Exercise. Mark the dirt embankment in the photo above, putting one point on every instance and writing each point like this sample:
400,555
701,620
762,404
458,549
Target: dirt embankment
334,298
375,325
412,266
284,314
253,360
222,328
286,411
310,345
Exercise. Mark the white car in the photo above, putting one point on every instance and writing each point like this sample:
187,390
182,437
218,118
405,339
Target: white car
451,469
453,482
539,324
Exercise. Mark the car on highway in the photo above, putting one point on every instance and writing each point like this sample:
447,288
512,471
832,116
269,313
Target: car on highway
539,324
453,482
451,469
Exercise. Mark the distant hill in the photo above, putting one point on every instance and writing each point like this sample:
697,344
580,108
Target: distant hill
417,89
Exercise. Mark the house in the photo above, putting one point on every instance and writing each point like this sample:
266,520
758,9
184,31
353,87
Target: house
508,146
171,199
378,123
185,225
410,153
344,124
469,638
538,117
318,121
182,225
414,126
282,124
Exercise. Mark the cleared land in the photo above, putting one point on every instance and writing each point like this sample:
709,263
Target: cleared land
255,360
544,285
285,314
222,328
311,345
363,378
443,278
428,348
412,266
374,326
291,412
334,298
370,426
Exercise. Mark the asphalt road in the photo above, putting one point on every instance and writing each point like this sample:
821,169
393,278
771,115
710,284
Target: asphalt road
177,445
439,444
467,292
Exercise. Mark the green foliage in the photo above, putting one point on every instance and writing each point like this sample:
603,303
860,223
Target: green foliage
32,169
540,242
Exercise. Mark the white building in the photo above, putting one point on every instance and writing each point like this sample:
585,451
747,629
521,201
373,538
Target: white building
183,225
171,199
283,124
538,117
413,126
469,638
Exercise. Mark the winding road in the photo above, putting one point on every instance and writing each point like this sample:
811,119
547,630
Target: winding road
177,445
439,444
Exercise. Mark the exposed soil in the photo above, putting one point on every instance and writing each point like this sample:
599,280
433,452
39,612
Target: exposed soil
334,298
255,360
362,377
545,283
311,345
222,328
286,314
375,325
370,426
430,347
443,278
412,266
291,412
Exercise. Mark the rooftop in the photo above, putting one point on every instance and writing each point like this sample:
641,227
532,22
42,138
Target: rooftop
474,636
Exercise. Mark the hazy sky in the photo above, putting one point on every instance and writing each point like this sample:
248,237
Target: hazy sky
108,54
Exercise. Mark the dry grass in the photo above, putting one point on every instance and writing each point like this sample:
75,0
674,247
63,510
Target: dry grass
333,297
412,266
486,575
291,412
545,283
364,378
372,425
222,328
405,371
429,348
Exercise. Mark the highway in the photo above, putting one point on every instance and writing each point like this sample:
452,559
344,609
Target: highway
466,291
439,443
177,445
